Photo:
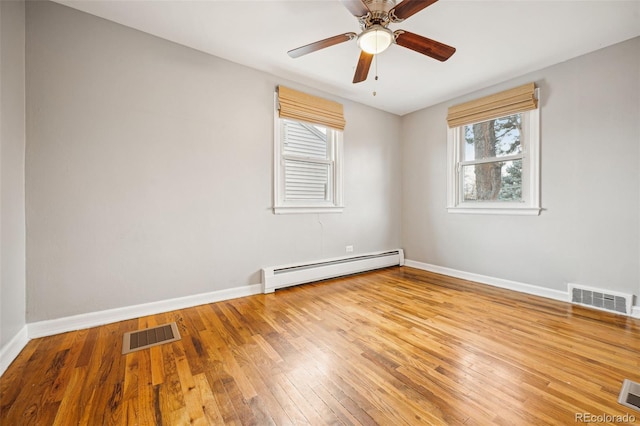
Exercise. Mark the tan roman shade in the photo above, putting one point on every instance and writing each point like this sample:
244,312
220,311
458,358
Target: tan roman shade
518,99
304,107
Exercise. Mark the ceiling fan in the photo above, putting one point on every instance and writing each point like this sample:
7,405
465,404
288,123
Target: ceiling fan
374,17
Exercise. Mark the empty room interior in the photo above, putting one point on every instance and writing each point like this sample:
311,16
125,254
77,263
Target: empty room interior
320,212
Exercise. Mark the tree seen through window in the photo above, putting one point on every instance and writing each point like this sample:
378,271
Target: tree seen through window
493,160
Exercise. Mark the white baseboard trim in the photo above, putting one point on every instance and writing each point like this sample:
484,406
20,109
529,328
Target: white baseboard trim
11,350
499,282
535,290
93,319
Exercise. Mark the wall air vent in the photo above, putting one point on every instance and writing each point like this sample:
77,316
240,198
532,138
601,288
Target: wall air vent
630,394
606,300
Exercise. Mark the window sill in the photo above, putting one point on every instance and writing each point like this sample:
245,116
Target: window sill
519,211
302,210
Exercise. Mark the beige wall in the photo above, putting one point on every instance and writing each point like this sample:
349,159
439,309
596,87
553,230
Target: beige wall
12,146
588,232
149,171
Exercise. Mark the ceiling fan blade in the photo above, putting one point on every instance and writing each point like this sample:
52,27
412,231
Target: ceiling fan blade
407,8
426,46
362,70
356,7
327,42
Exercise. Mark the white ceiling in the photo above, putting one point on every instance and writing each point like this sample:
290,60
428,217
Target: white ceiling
495,40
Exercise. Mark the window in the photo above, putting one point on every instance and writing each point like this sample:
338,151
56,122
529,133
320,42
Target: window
493,158
307,161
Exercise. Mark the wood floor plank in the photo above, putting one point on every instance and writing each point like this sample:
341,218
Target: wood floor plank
310,414
13,381
394,346
70,412
61,383
190,393
146,399
45,365
131,376
305,380
209,406
109,408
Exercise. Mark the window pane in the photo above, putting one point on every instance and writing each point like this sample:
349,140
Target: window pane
306,180
305,140
496,181
493,138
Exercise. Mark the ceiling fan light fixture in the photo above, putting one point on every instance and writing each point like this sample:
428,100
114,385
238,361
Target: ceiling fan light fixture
375,39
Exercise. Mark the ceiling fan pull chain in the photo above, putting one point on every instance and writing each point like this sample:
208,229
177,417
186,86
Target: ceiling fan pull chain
376,79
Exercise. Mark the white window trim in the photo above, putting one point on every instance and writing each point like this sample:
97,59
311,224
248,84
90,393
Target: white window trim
532,191
280,206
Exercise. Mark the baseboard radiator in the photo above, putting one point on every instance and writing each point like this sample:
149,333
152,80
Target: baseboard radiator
605,300
288,275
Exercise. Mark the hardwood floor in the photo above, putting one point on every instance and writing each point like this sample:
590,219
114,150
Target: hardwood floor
396,346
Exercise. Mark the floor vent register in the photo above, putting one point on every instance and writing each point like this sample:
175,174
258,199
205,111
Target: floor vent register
141,339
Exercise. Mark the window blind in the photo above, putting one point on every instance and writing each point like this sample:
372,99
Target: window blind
306,161
305,180
304,107
501,104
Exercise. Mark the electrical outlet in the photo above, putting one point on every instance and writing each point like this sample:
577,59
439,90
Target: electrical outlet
349,249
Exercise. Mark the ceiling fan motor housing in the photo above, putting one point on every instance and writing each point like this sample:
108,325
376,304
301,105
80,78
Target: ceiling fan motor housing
380,5
378,13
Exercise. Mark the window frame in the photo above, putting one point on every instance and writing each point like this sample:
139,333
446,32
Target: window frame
335,162
530,204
